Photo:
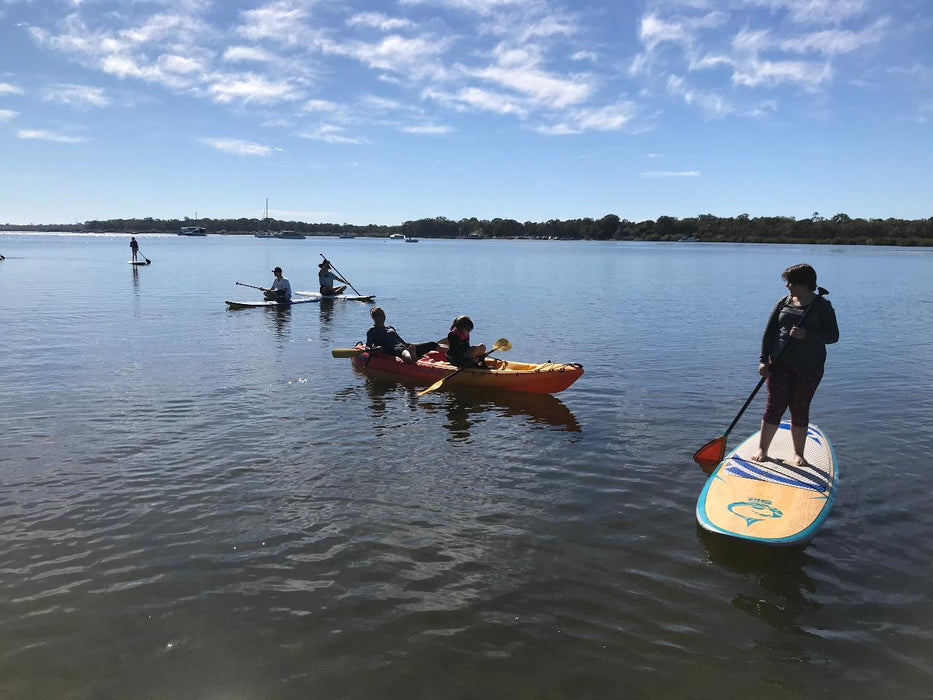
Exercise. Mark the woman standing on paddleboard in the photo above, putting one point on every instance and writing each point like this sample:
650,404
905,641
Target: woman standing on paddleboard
805,322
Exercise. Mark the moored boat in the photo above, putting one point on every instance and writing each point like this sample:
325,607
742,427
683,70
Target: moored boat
541,378
192,231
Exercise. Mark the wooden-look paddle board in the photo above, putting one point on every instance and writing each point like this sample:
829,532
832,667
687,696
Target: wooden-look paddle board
771,502
267,304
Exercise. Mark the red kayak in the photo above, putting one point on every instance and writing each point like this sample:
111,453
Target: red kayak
544,378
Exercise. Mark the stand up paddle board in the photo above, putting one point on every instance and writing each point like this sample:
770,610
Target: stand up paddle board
345,297
139,262
267,304
771,501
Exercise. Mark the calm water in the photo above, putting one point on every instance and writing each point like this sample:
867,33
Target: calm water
203,503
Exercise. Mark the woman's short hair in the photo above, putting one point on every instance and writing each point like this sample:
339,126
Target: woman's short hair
377,311
800,274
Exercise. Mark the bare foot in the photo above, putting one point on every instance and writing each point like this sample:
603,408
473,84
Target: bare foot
799,461
760,456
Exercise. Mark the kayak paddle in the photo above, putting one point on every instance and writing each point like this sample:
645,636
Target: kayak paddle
501,344
348,352
711,454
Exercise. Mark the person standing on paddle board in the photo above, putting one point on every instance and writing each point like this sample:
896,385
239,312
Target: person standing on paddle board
806,323
326,278
459,350
134,247
387,339
281,290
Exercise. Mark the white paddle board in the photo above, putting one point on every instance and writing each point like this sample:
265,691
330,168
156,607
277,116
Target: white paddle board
343,297
266,304
772,501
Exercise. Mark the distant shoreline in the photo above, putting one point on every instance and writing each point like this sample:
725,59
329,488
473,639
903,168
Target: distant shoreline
839,229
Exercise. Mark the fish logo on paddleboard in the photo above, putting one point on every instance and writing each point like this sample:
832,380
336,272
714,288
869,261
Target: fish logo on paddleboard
754,509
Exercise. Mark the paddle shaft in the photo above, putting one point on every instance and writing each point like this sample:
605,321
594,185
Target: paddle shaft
763,379
341,276
252,286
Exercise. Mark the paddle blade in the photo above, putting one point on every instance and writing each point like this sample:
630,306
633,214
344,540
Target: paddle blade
347,352
710,455
436,385
502,344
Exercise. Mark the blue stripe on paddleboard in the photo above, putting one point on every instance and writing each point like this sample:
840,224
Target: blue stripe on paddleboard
811,433
754,471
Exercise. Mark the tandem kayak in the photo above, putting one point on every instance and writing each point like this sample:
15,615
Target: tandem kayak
543,378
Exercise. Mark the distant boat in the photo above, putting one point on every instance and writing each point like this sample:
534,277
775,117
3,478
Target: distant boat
347,235
411,240
192,231
294,235
688,239
396,237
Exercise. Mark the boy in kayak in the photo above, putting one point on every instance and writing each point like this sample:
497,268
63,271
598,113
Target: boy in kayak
385,338
326,278
281,290
459,350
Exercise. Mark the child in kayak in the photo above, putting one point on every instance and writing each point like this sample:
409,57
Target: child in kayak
459,350
385,338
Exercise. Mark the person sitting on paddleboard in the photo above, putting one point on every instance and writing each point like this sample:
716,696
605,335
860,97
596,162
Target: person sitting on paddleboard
326,279
385,338
281,290
806,322
459,350
134,247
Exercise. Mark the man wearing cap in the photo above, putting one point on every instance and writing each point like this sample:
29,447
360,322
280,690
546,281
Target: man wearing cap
281,290
326,279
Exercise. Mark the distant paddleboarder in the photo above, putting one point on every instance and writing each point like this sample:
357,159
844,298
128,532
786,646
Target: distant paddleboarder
326,278
281,289
134,247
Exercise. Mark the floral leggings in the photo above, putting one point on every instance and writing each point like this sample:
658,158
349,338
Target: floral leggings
792,387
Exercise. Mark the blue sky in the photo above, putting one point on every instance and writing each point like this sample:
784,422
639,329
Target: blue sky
379,112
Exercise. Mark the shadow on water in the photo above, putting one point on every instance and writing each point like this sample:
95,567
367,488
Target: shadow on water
779,582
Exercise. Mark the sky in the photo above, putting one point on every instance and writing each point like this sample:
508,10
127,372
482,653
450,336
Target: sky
366,112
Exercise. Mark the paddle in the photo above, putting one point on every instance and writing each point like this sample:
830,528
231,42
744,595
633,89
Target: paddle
252,286
348,352
501,344
711,454
341,276
148,261
353,352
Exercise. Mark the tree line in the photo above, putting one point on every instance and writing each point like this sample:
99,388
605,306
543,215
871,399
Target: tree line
838,229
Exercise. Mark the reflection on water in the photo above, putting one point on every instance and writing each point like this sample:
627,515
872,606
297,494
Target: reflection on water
466,407
776,576
281,315
327,314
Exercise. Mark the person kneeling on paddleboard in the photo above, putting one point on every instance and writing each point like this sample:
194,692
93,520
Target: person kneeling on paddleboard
281,290
326,279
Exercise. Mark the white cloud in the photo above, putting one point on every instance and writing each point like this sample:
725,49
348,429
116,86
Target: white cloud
609,118
7,114
475,98
329,133
280,22
831,42
770,73
42,135
9,89
236,54
519,70
814,11
427,129
76,95
670,173
237,147
249,87
377,20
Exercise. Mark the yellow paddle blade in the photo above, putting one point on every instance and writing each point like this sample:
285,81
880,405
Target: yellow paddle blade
347,352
